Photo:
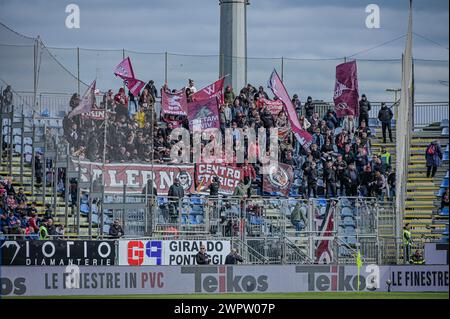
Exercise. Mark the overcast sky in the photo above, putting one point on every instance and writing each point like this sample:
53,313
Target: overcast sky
289,28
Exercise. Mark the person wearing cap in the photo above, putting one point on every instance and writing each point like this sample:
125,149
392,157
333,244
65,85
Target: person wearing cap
364,108
297,104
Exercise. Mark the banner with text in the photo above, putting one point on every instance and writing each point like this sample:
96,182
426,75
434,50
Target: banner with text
122,280
170,252
203,114
229,177
135,176
57,253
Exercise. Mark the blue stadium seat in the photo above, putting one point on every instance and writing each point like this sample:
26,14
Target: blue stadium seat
445,131
444,211
445,156
349,221
350,230
351,240
199,219
440,192
346,211
192,219
444,182
373,122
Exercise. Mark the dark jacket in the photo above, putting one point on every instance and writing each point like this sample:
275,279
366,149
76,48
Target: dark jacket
214,188
309,109
114,231
436,158
176,191
232,259
385,114
202,259
364,107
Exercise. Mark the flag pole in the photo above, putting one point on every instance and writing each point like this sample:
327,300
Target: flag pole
105,124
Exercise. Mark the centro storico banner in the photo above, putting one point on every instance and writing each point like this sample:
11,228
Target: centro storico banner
57,253
121,280
170,252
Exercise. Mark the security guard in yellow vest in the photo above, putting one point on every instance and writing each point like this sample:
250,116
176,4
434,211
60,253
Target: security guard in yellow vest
43,232
406,243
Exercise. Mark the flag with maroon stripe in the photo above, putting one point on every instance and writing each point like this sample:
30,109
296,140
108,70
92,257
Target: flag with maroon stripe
346,90
213,90
278,89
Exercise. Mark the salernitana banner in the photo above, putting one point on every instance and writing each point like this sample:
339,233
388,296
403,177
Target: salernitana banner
122,280
135,176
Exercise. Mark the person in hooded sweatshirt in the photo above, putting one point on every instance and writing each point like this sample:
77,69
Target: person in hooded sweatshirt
309,108
385,116
364,108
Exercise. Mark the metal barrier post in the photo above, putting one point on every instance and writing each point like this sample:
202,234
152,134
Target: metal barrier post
44,158
22,151
90,210
311,227
11,148
66,187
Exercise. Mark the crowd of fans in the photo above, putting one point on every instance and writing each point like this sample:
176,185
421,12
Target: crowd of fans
19,216
339,161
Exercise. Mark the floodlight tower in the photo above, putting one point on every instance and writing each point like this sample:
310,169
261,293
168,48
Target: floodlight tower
233,42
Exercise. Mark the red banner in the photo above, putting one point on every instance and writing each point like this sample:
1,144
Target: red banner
279,179
135,176
281,93
212,90
174,103
229,177
346,90
203,114
274,107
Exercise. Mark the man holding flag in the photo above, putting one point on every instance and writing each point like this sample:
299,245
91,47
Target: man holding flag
86,103
125,71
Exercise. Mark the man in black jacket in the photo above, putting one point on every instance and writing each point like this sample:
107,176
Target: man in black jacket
202,257
329,179
351,180
214,186
176,191
309,108
385,116
116,230
233,258
364,108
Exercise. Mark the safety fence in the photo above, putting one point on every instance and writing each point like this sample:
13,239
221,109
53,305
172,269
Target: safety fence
52,75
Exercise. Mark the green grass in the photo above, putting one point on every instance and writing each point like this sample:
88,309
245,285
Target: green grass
299,295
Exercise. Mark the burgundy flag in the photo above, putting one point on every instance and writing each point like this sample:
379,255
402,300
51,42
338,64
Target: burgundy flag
174,103
346,90
203,114
215,89
125,71
324,226
281,93
279,179
86,103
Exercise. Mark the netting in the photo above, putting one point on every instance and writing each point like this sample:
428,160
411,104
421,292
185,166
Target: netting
57,71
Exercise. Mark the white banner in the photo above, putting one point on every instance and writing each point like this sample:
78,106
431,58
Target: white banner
170,252
121,280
